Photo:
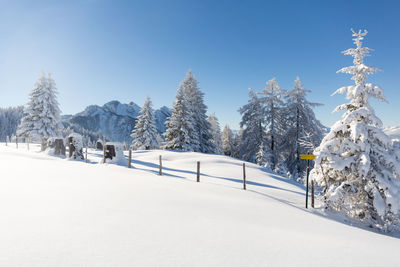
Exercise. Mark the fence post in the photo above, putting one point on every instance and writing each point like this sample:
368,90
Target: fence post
104,153
198,171
16,141
244,176
86,155
160,165
130,158
312,193
27,142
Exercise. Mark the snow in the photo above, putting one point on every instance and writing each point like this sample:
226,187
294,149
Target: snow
56,212
393,132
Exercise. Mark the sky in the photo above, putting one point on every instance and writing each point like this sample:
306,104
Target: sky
103,50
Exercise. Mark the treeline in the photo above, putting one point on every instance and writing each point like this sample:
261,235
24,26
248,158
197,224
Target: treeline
9,120
277,126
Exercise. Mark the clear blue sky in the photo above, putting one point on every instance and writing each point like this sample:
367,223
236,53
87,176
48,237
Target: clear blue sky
102,50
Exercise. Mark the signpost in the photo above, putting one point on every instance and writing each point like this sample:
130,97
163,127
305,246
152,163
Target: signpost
308,158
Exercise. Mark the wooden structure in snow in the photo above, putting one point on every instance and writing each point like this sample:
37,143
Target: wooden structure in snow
114,152
109,152
57,145
75,145
99,144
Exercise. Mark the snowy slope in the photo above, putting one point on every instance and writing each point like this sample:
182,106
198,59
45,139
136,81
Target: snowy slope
57,212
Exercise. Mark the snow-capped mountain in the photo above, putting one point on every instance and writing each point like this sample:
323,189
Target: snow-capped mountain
114,119
393,132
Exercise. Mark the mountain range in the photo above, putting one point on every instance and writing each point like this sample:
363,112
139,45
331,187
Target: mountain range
114,119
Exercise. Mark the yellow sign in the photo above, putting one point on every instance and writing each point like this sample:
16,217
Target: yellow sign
305,156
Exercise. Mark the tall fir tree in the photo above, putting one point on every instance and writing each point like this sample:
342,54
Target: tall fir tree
180,132
216,133
356,162
201,136
237,143
253,124
42,119
227,141
272,98
145,132
260,156
300,126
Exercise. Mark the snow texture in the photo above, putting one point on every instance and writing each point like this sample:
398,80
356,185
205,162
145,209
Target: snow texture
88,214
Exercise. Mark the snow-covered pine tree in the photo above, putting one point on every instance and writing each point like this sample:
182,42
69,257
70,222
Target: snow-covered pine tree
261,154
227,141
300,125
10,118
355,161
237,143
201,137
272,100
180,125
253,124
42,119
145,132
216,133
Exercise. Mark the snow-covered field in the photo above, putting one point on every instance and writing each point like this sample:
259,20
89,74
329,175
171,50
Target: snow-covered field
57,212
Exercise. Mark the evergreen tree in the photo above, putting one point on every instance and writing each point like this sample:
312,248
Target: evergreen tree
237,143
272,100
42,119
261,154
180,132
201,136
145,132
227,141
356,162
10,118
253,124
216,133
300,125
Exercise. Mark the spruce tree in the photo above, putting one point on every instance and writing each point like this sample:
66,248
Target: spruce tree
216,133
237,143
356,162
145,133
261,154
227,141
180,132
201,136
253,124
272,101
42,119
300,125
